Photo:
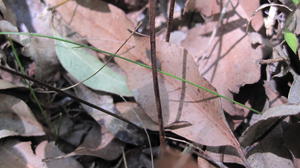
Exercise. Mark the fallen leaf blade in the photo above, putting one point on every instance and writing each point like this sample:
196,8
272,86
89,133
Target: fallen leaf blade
81,65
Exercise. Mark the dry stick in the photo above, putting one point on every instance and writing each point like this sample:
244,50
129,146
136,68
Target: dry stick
69,95
152,14
170,20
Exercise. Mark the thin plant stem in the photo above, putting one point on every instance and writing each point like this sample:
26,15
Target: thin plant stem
134,62
36,100
152,14
170,20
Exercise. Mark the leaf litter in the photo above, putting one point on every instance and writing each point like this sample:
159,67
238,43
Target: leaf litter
194,114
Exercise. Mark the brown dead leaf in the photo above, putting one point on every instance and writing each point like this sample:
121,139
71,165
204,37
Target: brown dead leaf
214,7
16,154
181,102
119,129
266,121
103,24
16,118
99,142
230,61
271,152
48,150
291,140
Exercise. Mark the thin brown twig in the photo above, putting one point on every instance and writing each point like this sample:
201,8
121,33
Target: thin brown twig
69,95
170,20
272,60
152,14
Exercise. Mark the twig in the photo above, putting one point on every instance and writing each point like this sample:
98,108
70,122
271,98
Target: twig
170,20
152,14
124,158
272,60
69,95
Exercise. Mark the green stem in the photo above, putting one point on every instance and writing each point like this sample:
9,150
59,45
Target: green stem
22,69
135,62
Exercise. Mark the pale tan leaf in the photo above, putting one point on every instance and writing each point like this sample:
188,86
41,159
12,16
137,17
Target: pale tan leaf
101,143
48,151
16,118
214,8
266,120
15,154
103,24
229,61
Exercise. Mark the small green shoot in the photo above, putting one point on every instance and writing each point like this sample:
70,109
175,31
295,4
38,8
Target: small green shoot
296,2
292,40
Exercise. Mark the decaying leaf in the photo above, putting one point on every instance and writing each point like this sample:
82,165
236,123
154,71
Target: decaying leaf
100,143
229,61
15,154
291,141
294,96
17,118
266,121
82,65
270,152
48,151
119,129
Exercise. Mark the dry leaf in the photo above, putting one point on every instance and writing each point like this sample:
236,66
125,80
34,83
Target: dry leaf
119,129
266,120
230,61
213,7
181,102
16,118
100,143
131,110
271,151
15,154
291,141
108,23
48,150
